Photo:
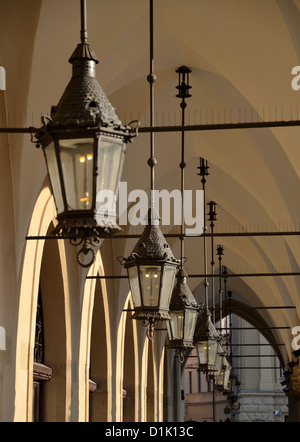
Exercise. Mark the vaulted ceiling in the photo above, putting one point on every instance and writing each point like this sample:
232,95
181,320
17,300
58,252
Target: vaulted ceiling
241,53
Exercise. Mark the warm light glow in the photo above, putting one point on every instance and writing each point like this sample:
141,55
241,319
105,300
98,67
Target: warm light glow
82,159
148,276
89,156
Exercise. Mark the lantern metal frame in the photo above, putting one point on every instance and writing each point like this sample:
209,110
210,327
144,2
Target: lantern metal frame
208,341
184,304
222,381
83,112
152,251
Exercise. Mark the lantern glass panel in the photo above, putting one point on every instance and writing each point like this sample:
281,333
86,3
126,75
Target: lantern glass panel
202,352
110,151
220,378
219,373
77,162
134,285
150,282
212,351
176,324
226,383
207,351
53,172
190,324
167,285
219,360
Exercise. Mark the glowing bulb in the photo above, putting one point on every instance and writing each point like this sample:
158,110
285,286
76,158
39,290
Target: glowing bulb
89,156
147,275
82,159
156,275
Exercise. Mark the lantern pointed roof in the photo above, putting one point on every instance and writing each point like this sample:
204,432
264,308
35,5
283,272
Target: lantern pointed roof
152,245
84,103
182,295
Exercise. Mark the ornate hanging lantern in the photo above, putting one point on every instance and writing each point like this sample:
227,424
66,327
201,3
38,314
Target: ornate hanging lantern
183,316
207,346
84,144
223,377
151,271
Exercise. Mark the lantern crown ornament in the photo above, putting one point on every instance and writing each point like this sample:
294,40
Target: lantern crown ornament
182,295
152,245
84,144
84,102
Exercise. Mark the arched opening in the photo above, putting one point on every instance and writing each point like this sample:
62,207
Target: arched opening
52,307
42,216
150,384
98,402
254,348
129,376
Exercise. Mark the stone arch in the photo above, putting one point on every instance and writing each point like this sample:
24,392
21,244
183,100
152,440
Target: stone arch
77,295
43,214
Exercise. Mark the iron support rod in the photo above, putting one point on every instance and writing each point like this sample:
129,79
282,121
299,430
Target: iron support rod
254,356
196,127
258,328
177,235
83,32
258,368
240,368
151,80
264,308
246,275
18,130
236,275
186,128
257,345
